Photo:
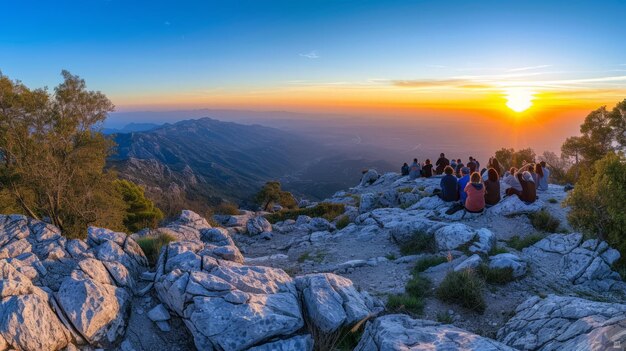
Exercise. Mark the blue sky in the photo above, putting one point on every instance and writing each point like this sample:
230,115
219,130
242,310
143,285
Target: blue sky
139,51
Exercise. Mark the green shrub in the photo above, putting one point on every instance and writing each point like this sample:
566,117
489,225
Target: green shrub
405,303
553,201
463,288
418,286
152,245
342,222
419,242
390,256
328,211
544,221
141,212
317,257
496,250
404,190
496,275
520,243
427,262
597,205
444,318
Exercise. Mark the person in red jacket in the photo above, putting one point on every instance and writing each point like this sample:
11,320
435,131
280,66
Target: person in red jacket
475,191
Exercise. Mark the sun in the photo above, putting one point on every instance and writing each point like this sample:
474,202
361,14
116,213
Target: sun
519,99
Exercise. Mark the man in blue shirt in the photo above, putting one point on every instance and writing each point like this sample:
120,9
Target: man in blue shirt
465,172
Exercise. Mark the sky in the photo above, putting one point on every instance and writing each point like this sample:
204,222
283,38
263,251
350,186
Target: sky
515,61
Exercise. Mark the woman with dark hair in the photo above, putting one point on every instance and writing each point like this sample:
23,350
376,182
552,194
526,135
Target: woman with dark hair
427,169
475,191
495,164
492,188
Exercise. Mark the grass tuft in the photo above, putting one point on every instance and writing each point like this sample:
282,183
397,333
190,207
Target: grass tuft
152,245
496,275
342,222
496,250
463,288
520,243
544,221
405,303
553,201
427,262
419,242
444,318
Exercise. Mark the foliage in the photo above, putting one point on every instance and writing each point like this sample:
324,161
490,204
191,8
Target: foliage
463,288
553,201
510,158
597,205
226,208
141,211
404,190
427,262
342,222
444,318
419,242
405,303
317,257
326,210
544,221
418,286
151,246
271,193
561,171
496,275
520,243
52,156
496,250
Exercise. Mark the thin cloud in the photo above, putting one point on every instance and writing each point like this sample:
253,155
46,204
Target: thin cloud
528,68
311,55
429,83
167,23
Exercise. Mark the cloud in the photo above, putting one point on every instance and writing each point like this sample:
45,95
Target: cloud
429,83
311,55
167,23
528,68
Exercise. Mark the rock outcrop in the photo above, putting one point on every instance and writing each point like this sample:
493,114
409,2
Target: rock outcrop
57,292
396,332
565,323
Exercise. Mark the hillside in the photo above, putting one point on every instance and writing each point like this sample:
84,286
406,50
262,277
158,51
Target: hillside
196,163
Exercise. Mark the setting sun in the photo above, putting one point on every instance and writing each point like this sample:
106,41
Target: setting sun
519,99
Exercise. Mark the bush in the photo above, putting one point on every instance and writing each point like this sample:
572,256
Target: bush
419,242
226,208
553,201
444,318
427,262
404,190
496,250
520,243
463,288
544,221
141,211
405,303
342,222
328,211
151,246
496,275
597,205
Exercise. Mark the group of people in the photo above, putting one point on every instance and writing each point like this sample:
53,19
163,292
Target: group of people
473,189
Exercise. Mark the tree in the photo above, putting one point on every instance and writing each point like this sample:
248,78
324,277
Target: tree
510,158
271,193
597,202
52,155
618,124
141,211
559,167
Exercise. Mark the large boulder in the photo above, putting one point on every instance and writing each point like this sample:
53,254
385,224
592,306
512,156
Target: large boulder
565,323
508,260
513,206
186,227
397,332
258,225
369,177
96,310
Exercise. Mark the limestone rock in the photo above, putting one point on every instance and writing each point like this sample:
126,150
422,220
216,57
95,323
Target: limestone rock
471,262
508,260
565,323
369,177
296,343
258,225
397,332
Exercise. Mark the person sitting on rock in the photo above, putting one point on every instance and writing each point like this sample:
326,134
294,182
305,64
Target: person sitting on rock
449,186
492,188
442,163
531,170
459,166
416,170
544,174
405,169
453,165
427,169
472,165
475,194
529,189
463,181
510,180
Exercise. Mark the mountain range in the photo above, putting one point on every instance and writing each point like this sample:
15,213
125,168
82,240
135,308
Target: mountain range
199,163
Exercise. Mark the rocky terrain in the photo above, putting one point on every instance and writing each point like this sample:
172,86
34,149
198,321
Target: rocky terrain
304,283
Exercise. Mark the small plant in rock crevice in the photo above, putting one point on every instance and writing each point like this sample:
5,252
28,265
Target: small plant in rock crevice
463,288
419,242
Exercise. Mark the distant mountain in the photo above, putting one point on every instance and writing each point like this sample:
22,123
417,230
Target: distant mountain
132,127
196,163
